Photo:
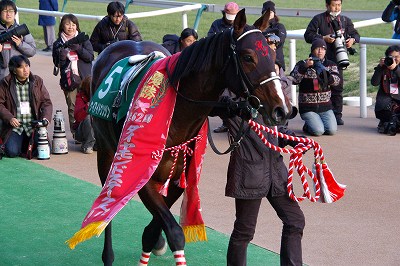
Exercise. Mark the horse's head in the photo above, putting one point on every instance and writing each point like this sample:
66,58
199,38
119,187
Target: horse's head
254,64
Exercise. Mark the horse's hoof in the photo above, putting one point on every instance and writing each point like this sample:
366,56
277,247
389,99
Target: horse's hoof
160,248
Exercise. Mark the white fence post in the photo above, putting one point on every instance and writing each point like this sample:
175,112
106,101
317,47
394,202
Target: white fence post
292,63
184,20
363,80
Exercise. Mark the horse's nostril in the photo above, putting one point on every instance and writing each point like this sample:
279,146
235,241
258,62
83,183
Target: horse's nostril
279,114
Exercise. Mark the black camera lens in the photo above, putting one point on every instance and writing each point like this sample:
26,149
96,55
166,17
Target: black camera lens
388,61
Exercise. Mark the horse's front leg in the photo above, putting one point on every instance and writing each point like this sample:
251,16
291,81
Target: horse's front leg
162,220
108,252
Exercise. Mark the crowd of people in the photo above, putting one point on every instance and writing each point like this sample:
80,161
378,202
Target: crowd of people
24,98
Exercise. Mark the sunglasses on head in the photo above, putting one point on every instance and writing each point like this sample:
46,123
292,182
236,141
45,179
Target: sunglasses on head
273,39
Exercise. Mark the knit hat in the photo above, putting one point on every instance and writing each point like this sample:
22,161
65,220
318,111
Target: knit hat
231,9
318,42
270,5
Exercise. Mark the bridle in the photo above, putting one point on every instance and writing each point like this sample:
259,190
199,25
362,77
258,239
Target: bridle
246,85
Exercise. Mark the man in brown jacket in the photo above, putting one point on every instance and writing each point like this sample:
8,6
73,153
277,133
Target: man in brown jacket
23,99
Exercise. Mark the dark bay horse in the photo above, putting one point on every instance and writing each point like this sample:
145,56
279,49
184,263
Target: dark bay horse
240,60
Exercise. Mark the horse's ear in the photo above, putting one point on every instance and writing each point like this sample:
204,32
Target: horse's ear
239,23
263,22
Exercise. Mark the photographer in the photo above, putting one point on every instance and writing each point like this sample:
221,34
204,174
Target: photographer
23,98
78,56
315,77
392,13
15,45
387,77
114,27
322,27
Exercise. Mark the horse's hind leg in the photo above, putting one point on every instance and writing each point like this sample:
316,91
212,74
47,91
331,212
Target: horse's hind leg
108,252
162,220
105,154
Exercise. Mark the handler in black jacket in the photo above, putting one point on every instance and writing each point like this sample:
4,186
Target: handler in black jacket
114,27
321,27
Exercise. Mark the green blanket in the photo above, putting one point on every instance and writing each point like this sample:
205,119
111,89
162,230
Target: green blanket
102,100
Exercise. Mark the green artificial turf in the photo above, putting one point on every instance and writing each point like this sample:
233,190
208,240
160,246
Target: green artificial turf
42,208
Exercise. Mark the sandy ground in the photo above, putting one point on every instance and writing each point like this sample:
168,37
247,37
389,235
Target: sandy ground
360,229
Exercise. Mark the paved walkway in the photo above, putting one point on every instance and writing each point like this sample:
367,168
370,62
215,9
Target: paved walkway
363,228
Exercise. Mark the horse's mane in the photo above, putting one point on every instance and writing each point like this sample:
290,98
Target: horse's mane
201,56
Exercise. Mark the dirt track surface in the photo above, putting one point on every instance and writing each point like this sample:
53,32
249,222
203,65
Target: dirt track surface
360,229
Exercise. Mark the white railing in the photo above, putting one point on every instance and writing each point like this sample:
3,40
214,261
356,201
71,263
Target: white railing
299,35
182,9
291,35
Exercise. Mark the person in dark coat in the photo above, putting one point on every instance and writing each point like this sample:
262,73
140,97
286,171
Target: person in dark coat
321,26
392,13
221,25
278,29
256,172
79,55
48,23
387,77
23,98
175,44
226,22
114,27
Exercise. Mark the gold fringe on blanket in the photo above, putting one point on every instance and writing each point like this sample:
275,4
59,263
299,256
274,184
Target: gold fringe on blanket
194,233
86,233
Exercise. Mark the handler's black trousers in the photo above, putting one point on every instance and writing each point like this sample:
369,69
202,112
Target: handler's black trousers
246,219
337,97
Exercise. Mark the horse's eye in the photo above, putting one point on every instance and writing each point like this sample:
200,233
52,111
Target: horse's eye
247,58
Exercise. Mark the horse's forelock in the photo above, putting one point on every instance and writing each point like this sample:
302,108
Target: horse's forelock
202,56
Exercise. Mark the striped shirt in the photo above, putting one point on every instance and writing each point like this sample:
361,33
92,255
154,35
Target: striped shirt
23,97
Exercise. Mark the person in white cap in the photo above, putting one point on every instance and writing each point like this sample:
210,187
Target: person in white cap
220,25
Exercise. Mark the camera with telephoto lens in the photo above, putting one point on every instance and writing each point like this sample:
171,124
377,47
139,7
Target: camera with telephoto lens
318,66
80,38
19,31
39,123
342,58
388,61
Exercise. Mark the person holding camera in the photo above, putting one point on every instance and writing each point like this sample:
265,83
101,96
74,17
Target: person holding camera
69,52
23,99
315,77
114,27
387,77
14,44
392,13
340,35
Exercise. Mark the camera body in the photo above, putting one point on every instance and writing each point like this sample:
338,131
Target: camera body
21,30
78,39
39,123
318,66
388,61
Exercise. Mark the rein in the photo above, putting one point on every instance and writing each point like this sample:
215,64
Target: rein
325,184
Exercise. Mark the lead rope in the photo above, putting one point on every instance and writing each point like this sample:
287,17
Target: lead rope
175,153
296,160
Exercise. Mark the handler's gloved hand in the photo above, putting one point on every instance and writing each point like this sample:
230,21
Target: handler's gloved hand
245,111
